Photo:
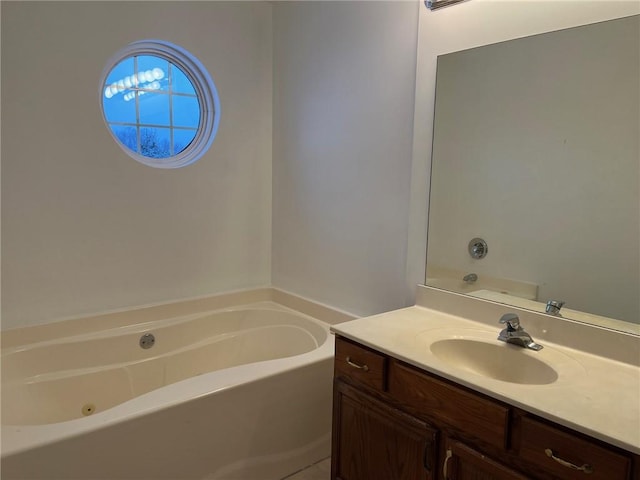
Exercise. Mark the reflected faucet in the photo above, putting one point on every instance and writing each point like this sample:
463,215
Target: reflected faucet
470,278
553,307
515,334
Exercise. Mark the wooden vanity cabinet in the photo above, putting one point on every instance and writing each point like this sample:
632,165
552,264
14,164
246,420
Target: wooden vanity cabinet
372,439
393,421
378,441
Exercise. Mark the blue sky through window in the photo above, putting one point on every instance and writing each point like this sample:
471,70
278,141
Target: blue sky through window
151,106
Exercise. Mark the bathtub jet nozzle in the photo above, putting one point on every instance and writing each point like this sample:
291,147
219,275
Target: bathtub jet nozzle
147,340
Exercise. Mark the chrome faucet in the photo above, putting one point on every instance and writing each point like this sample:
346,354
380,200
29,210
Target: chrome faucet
515,334
470,278
553,307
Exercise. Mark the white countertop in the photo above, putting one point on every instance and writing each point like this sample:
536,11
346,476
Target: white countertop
594,395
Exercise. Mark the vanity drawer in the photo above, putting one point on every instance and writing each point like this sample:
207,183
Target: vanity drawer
470,414
538,440
360,364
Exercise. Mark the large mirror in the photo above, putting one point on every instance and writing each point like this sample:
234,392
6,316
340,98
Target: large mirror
536,172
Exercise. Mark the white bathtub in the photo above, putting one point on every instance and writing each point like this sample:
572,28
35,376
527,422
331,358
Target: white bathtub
241,392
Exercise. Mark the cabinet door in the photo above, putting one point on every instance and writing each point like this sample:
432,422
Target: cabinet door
464,463
373,441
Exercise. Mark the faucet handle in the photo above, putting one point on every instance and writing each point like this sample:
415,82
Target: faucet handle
553,307
512,320
555,303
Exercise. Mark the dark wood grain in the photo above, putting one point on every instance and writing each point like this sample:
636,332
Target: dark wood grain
374,364
537,436
468,464
466,412
377,442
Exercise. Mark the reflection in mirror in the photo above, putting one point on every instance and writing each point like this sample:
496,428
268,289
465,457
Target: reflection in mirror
536,152
436,4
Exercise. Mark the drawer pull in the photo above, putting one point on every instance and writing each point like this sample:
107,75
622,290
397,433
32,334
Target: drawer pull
355,365
445,465
586,468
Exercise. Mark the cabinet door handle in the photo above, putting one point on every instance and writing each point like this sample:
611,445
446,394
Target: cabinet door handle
445,473
427,456
586,468
355,365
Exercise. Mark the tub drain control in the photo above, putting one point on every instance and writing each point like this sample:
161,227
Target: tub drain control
147,340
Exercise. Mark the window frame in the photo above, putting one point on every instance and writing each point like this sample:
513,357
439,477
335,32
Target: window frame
203,85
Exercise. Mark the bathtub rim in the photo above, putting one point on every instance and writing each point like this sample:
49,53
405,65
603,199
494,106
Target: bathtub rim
117,329
89,322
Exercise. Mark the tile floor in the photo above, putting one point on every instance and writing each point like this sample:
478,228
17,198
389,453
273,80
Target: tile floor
317,471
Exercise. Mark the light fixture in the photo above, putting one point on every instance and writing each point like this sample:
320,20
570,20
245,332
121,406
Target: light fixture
435,4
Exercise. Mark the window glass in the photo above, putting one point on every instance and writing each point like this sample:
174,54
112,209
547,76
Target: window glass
185,111
119,110
153,73
154,109
122,71
181,83
128,137
182,139
155,142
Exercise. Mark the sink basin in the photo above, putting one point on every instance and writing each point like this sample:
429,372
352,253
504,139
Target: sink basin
498,361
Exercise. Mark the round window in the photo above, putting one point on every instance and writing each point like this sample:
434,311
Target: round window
160,104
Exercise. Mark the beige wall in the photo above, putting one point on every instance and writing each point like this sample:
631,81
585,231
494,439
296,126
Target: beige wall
84,227
343,108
